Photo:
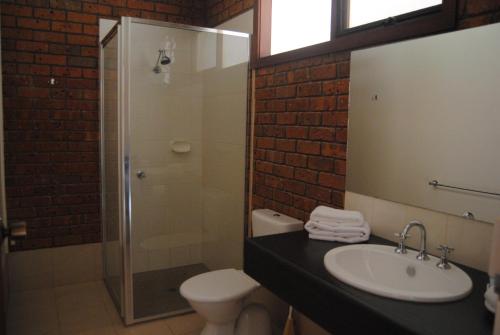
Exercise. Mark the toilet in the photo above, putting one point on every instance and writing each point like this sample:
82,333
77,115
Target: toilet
220,296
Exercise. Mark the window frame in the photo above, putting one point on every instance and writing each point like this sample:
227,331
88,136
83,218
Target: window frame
414,24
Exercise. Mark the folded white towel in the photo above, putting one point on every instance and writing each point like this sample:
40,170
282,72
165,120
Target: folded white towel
334,226
338,239
338,216
340,233
315,227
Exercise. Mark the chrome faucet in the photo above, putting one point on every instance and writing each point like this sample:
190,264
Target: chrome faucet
401,249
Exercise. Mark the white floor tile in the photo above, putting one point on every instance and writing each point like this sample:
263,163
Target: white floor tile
84,309
185,324
147,328
32,313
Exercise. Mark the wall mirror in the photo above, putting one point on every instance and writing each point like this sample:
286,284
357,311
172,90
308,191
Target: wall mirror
428,110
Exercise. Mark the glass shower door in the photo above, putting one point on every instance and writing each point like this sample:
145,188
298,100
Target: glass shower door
165,160
186,95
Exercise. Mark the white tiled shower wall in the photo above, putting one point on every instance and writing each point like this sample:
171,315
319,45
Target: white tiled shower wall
189,208
165,107
224,136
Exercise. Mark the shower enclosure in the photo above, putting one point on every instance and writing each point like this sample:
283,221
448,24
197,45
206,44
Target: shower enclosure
173,125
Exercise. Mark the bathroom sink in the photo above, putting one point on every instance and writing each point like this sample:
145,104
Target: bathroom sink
379,270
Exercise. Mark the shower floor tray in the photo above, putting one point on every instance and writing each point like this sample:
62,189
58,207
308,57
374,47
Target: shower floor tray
157,292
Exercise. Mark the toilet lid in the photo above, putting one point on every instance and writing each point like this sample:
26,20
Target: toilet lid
218,286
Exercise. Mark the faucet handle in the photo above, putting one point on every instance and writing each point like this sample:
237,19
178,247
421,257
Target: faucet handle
445,250
443,260
401,248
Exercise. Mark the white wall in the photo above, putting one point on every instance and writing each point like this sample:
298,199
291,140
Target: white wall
223,60
242,23
224,137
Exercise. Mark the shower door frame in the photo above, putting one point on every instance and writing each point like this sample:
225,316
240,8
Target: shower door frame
115,31
122,28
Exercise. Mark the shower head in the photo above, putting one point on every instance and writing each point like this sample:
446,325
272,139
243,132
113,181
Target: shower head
163,59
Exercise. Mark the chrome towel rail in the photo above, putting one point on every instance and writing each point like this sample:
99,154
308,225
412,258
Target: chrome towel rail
436,183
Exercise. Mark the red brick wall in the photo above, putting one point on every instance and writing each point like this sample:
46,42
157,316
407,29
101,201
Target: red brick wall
473,13
300,134
218,11
52,131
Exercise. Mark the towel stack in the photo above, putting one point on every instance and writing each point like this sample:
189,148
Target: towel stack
339,225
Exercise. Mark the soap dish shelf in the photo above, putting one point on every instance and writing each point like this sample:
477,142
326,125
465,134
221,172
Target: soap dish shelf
180,146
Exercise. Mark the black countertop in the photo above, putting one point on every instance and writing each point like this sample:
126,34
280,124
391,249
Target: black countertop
291,266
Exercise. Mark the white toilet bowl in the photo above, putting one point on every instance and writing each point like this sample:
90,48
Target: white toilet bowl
218,296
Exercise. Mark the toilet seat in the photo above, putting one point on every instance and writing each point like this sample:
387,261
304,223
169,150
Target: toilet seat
218,286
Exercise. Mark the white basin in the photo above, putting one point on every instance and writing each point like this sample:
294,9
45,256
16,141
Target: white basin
379,270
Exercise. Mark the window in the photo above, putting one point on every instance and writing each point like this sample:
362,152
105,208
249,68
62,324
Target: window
288,30
295,25
361,12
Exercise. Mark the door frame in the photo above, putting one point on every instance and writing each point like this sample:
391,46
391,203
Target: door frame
4,242
114,31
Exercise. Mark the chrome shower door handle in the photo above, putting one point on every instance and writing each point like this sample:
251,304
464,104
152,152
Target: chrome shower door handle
141,174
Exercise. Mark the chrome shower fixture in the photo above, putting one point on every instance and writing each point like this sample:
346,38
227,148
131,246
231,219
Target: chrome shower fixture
163,59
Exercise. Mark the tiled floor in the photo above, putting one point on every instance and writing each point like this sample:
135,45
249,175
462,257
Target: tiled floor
84,309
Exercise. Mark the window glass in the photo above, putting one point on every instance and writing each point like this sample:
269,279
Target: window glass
366,11
298,23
